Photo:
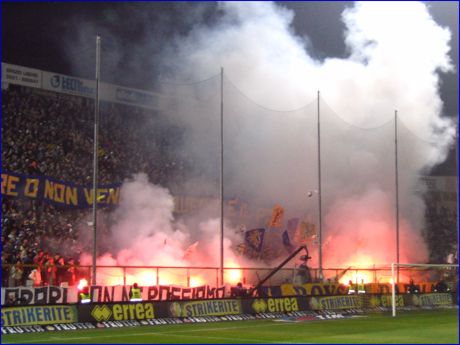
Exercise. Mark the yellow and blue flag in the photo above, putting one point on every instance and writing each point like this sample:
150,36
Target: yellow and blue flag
255,238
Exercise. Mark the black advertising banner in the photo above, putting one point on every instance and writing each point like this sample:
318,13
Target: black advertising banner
205,308
336,302
116,311
384,301
274,305
432,299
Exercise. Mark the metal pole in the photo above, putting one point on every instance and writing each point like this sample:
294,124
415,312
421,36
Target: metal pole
320,229
222,176
397,194
393,290
95,165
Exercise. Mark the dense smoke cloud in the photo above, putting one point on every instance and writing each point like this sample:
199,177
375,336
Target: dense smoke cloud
395,54
144,233
270,156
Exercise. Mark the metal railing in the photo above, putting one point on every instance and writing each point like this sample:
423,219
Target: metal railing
70,275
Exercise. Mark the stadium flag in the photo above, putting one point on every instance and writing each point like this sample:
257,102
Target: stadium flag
277,217
255,238
305,232
287,243
241,248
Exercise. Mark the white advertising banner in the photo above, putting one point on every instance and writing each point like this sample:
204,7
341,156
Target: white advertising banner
126,95
21,75
63,295
13,74
62,83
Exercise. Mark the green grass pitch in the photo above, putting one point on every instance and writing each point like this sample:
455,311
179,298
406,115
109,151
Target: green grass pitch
429,327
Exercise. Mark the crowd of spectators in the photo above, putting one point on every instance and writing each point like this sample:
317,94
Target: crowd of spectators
441,234
50,134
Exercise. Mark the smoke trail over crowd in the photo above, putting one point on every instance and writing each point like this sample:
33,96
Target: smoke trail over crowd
270,90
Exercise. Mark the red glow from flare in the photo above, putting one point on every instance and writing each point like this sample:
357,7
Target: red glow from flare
148,277
143,278
233,275
82,283
196,281
357,276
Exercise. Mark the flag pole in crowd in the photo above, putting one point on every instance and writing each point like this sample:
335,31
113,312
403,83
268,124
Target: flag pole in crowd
320,229
397,193
222,176
95,153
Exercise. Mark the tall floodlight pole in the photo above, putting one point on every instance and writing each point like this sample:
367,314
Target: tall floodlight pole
320,229
222,176
95,152
397,194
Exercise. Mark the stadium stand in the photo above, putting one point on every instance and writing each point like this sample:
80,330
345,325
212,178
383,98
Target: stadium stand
46,133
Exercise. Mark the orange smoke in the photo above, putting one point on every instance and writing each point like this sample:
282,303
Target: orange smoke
360,232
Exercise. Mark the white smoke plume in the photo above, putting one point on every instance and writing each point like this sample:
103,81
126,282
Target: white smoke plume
395,54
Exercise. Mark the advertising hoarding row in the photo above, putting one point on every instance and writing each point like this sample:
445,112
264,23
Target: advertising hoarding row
94,313
120,293
60,83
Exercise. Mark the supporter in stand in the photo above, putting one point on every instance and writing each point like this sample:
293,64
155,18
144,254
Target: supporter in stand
412,288
135,293
84,295
239,291
35,277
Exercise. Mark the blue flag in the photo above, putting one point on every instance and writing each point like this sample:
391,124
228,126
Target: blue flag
255,238
287,243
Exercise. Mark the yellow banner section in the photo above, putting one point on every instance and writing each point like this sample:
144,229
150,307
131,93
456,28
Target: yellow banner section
38,315
205,308
423,287
313,289
60,193
336,302
323,289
